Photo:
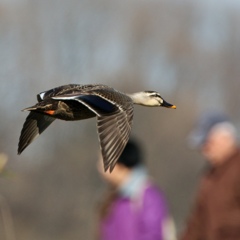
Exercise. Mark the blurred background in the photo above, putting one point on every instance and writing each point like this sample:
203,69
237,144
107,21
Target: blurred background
188,50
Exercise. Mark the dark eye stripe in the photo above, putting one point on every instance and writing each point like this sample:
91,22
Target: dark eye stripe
156,95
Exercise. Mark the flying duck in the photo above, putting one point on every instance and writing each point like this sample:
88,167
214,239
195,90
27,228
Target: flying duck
113,110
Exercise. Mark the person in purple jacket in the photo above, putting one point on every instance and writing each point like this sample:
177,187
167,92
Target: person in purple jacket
134,208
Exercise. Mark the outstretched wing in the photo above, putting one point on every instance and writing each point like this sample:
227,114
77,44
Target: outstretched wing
113,132
34,125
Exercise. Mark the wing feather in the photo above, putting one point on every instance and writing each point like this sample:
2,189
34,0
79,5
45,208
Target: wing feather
97,104
34,125
114,131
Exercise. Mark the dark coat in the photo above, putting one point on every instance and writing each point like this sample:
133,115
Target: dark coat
216,212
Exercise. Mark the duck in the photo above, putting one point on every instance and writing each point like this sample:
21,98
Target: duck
113,111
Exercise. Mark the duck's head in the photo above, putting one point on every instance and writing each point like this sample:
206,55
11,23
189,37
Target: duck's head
151,99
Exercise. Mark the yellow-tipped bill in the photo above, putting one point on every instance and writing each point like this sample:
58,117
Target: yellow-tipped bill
168,105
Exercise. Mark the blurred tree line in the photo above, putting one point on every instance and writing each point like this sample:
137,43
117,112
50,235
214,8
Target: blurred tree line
187,50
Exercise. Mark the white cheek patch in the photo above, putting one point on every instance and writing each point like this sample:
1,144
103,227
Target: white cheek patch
153,102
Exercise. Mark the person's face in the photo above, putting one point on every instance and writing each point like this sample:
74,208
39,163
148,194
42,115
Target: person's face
218,146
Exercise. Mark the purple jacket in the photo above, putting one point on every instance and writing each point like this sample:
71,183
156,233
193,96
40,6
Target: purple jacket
137,214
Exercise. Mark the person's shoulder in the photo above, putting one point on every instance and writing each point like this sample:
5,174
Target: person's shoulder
155,199
234,161
152,191
237,155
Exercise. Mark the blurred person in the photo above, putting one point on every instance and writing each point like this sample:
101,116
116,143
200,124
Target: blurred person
6,219
3,163
216,211
134,208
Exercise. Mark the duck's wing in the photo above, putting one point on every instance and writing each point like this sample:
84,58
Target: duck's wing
34,125
95,103
113,132
113,121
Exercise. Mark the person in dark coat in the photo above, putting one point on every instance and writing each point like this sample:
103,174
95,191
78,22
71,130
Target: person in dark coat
216,211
